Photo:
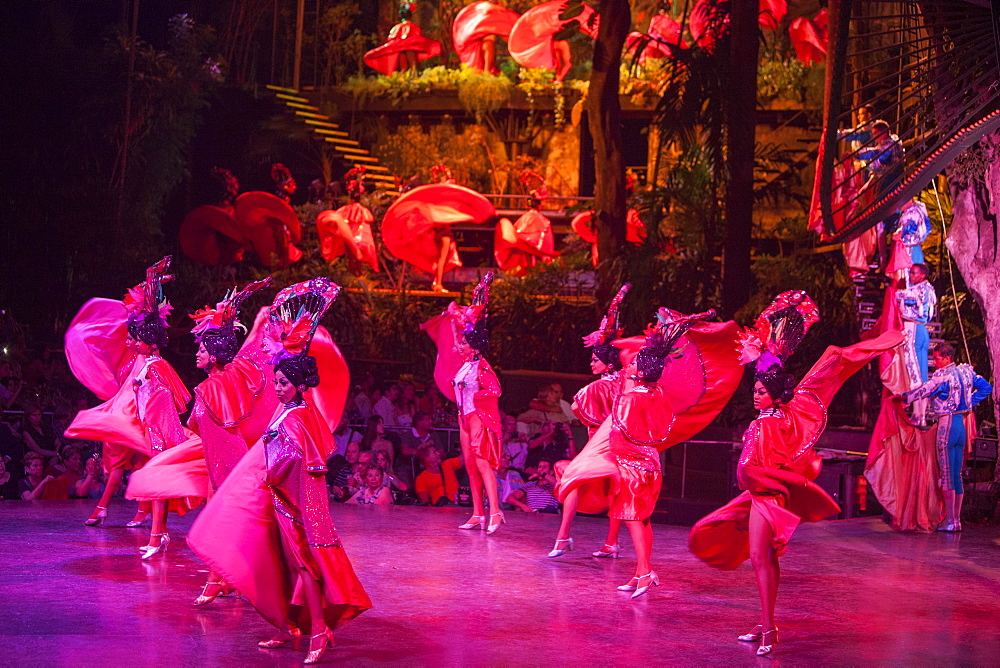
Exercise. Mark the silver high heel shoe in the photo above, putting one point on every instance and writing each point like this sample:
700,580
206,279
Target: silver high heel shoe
630,586
97,521
492,528
768,639
138,523
567,547
612,553
474,521
149,550
753,635
654,581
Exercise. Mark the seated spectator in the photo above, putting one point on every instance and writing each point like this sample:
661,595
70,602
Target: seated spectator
544,408
373,492
437,485
567,410
11,445
356,480
405,404
514,443
421,433
384,462
374,438
339,469
38,436
363,396
431,400
508,480
536,496
386,408
554,442
33,485
343,435
8,483
91,486
10,392
64,486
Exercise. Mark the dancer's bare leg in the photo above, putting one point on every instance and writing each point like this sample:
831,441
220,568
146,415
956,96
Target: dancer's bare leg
472,468
159,523
642,538
568,513
488,479
445,244
764,559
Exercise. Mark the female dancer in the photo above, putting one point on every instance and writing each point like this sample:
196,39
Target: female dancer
778,464
464,376
640,424
592,405
268,530
101,348
231,410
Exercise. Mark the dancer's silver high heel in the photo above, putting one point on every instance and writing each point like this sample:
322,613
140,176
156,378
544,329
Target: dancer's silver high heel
474,522
653,581
492,528
149,550
753,635
768,639
612,553
559,551
97,521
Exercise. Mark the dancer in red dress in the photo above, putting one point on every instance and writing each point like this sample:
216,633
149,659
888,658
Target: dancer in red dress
531,42
210,234
592,405
231,410
417,227
349,228
464,376
113,349
520,246
268,530
405,47
640,424
475,31
778,464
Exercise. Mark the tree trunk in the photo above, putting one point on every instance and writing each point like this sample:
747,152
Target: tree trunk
972,241
742,123
604,120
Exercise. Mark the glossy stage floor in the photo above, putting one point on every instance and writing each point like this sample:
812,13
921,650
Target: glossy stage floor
852,592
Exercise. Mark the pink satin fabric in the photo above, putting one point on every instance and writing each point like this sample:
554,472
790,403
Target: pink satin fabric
348,229
271,226
408,227
530,42
211,235
521,245
475,23
405,36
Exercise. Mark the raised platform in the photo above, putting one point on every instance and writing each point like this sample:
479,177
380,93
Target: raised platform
853,592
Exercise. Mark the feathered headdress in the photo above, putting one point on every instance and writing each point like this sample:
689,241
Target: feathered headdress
295,315
440,173
355,178
610,329
230,187
775,335
215,328
470,321
661,341
283,182
146,308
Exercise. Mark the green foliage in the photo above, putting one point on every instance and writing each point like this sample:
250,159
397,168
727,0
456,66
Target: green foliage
789,80
478,91
412,150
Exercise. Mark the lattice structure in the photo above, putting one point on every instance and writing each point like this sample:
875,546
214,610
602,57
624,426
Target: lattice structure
928,68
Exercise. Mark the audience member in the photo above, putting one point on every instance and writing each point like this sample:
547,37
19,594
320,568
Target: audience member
33,485
544,408
10,391
431,400
343,435
38,436
554,442
11,445
386,408
8,482
339,469
356,480
515,444
437,484
373,492
64,486
567,410
374,438
91,486
508,480
536,496
362,399
383,460
405,404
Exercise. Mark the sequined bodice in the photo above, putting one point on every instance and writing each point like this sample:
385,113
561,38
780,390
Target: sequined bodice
466,385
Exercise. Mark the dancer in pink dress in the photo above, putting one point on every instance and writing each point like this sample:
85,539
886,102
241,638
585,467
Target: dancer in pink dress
231,410
349,228
475,31
464,376
405,47
592,405
778,464
268,529
138,419
521,245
